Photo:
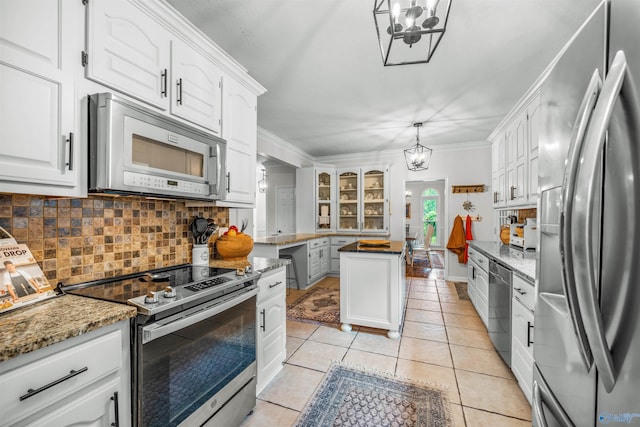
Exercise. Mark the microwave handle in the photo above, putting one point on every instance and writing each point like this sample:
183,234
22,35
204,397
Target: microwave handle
215,156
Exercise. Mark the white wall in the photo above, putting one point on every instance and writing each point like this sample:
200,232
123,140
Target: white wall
260,212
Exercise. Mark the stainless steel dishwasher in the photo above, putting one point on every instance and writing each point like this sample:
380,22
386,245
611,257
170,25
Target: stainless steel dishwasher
500,309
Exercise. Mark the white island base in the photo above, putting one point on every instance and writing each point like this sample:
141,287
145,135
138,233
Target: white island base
373,287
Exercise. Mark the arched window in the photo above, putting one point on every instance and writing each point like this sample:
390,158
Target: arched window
431,206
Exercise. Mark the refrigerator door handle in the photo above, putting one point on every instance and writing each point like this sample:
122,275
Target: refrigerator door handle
565,231
541,394
594,141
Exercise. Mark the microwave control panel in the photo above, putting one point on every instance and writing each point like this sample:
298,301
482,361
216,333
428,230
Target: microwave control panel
140,180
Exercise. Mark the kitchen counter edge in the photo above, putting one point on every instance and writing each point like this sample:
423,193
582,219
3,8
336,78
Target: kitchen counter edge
523,267
302,237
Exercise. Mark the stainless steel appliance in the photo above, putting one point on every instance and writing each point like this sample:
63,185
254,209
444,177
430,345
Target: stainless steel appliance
587,326
194,353
134,150
500,309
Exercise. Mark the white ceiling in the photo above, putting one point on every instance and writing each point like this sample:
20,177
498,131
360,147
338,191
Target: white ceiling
328,92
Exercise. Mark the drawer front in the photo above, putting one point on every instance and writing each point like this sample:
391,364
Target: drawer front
312,244
524,292
342,241
324,241
272,283
482,261
65,373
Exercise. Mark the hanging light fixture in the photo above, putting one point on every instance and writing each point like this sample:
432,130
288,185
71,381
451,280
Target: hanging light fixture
418,156
407,27
262,184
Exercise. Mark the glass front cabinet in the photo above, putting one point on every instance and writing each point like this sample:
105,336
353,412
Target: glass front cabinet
363,203
325,200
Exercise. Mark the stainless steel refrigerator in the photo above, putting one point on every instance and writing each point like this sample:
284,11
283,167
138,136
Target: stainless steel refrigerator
587,314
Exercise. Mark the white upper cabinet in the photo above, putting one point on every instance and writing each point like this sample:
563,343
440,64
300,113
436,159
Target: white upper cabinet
240,129
128,51
515,157
196,89
363,203
498,171
38,128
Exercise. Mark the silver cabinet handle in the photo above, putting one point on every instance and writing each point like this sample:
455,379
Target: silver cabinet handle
70,162
512,189
163,83
612,89
274,285
31,392
228,182
116,410
179,87
565,231
264,319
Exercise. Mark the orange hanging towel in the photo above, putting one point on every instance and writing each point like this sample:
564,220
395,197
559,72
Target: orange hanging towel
457,241
468,236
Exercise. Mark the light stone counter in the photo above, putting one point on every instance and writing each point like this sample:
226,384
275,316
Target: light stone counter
523,263
286,239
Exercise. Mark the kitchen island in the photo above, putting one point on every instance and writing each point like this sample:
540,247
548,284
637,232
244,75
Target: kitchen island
373,286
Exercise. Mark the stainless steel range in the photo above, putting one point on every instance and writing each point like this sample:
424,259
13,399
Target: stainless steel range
194,353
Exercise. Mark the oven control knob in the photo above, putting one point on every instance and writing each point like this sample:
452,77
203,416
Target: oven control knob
169,292
151,298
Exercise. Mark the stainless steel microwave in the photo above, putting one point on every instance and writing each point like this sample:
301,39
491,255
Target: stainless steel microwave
134,150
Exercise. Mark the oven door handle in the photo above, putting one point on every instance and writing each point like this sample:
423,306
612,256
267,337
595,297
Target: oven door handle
158,330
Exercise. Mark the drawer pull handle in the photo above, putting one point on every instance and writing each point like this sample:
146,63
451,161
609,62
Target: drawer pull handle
520,291
275,284
32,392
529,328
116,412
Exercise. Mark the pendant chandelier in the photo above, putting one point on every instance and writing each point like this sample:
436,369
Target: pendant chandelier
400,28
418,156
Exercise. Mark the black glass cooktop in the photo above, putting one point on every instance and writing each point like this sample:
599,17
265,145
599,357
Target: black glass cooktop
123,288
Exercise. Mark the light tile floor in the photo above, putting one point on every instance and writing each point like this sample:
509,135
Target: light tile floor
443,342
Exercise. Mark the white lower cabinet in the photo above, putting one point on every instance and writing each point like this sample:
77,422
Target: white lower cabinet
479,283
522,305
319,259
337,243
84,380
271,337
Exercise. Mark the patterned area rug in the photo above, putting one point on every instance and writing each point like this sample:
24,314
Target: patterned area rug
351,397
422,267
319,305
461,289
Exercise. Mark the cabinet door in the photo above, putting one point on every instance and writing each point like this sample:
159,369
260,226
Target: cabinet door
196,89
271,350
533,116
375,200
96,407
325,260
128,51
349,203
37,123
522,346
498,180
517,161
314,265
325,203
240,129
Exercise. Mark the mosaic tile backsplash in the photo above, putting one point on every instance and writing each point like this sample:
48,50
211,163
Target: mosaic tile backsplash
77,240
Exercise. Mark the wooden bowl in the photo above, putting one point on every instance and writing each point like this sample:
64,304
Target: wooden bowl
234,248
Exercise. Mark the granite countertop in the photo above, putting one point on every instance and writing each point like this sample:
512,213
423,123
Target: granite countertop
286,239
259,264
523,263
394,247
54,320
